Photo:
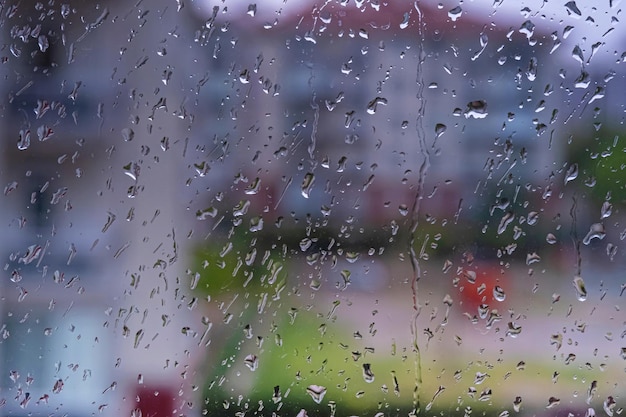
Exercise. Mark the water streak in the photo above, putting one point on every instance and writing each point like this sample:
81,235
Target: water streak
415,209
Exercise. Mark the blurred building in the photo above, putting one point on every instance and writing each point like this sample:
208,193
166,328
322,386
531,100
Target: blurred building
127,144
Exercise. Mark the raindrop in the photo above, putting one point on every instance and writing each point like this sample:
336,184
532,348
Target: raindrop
532,258
405,21
571,174
476,109
609,406
252,10
256,224
252,362
513,329
14,375
552,402
316,392
505,221
498,293
572,8
593,389
307,183
368,375
205,213
551,239
42,42
58,386
527,28
596,231
440,129
24,140
128,134
254,186
455,13
606,210
577,54
581,291
532,218
517,404
373,104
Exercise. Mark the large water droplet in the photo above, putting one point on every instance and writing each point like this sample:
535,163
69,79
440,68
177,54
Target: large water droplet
252,362
476,109
128,134
577,54
455,13
252,10
368,375
596,231
316,392
505,221
527,28
373,104
609,406
572,173
606,210
581,290
498,293
440,129
572,8
307,184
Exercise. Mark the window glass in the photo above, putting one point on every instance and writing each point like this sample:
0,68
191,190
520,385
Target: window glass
292,208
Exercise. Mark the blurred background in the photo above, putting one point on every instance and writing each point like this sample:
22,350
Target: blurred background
347,207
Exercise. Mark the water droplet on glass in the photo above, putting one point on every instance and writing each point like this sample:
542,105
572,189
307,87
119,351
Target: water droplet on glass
572,173
42,42
128,134
205,213
316,392
476,109
532,258
498,293
405,20
591,392
551,239
517,404
527,28
24,140
252,362
307,183
532,218
606,210
455,13
553,401
581,291
596,231
577,54
252,10
256,224
58,386
505,221
368,375
440,129
609,406
572,8
513,329
373,104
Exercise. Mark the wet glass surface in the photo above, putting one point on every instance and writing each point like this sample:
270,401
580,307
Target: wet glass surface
303,208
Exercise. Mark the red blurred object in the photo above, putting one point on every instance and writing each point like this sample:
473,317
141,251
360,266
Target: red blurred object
155,401
480,283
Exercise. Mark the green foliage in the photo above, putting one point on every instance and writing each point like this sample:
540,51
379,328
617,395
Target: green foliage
240,264
601,163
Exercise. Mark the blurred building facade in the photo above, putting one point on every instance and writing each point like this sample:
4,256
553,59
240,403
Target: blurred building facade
120,158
